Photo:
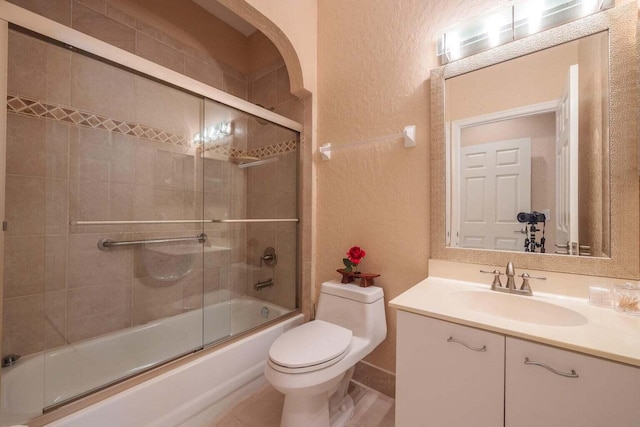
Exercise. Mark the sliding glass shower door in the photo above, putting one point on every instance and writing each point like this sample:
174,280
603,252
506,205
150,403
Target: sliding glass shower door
250,198
143,222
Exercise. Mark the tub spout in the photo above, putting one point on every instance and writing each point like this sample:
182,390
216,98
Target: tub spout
266,284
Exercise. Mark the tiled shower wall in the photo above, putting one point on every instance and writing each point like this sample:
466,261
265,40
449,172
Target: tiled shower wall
271,198
53,275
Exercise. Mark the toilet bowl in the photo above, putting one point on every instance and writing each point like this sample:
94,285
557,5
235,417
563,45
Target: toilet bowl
312,364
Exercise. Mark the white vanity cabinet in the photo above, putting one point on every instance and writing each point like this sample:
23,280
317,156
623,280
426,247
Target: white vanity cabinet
448,375
597,393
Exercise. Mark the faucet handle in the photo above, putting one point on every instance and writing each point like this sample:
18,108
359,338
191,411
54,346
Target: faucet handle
496,278
525,282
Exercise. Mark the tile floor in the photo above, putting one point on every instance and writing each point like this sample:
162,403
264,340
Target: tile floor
262,409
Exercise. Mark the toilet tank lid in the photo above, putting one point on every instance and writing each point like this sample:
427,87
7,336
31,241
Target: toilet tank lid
353,292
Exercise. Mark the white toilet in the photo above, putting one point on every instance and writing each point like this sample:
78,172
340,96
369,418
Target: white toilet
312,364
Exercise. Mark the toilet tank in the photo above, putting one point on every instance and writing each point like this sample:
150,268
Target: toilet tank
361,310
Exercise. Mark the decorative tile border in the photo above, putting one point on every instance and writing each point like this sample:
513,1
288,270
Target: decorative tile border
33,108
24,106
270,150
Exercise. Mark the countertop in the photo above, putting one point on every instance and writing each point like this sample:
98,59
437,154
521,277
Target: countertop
606,333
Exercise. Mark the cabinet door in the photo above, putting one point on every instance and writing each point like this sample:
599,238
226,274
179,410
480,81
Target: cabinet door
604,393
440,382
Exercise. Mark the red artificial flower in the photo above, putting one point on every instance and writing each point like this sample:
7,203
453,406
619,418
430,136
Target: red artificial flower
356,254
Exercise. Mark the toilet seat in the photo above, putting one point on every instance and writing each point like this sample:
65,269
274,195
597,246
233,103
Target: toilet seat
310,347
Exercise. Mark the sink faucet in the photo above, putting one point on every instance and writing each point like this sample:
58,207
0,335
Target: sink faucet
510,286
510,273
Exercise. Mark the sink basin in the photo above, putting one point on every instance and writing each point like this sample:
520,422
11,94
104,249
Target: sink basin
516,307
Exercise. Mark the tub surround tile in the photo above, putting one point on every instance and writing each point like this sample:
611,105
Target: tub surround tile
121,16
91,200
163,37
160,53
98,300
155,203
169,170
234,279
22,325
99,155
286,246
193,291
25,205
166,108
55,313
291,109
283,91
285,288
192,209
24,272
262,205
100,26
58,80
261,179
93,85
55,271
210,74
286,205
212,285
56,10
56,205
97,5
263,90
89,266
260,135
287,171
153,299
57,149
235,86
28,66
96,311
26,142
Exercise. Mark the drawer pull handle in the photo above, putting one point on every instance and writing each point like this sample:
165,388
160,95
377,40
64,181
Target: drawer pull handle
452,339
572,374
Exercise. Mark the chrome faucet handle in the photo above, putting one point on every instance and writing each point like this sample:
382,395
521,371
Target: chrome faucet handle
525,288
510,272
496,278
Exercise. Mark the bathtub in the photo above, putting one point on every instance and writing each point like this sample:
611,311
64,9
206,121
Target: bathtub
202,384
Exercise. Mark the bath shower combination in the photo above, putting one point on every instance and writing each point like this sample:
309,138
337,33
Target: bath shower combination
131,240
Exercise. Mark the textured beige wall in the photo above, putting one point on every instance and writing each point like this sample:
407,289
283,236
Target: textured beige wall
297,19
374,60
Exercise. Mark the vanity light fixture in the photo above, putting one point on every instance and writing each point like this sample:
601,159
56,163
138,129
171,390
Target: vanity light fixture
515,20
213,133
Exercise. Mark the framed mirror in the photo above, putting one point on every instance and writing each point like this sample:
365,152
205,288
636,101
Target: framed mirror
534,151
